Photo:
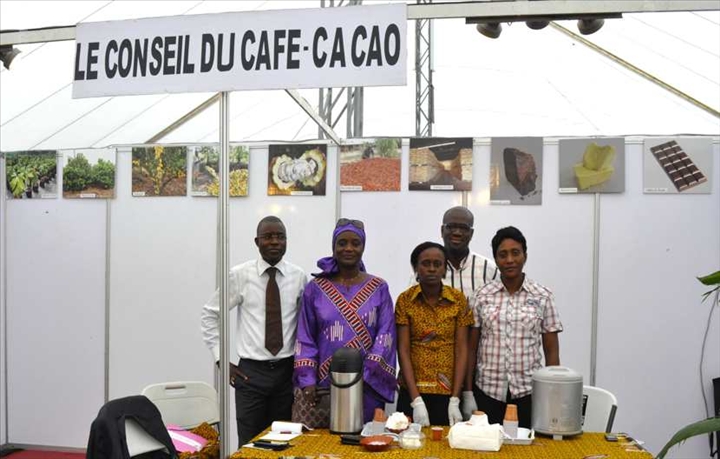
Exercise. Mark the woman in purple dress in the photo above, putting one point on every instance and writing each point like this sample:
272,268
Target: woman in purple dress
344,306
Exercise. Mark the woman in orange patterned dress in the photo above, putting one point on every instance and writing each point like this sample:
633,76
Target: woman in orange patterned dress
432,328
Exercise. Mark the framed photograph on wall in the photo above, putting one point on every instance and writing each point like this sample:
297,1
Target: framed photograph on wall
516,170
31,174
592,165
159,171
206,175
89,174
297,170
441,164
677,165
372,165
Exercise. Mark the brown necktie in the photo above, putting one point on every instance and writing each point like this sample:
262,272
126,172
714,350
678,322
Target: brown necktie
273,315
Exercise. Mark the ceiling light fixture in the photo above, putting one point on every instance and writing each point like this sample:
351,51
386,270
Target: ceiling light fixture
7,54
588,26
537,25
489,29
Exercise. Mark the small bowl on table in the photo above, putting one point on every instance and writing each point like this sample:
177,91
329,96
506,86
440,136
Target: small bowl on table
396,431
376,443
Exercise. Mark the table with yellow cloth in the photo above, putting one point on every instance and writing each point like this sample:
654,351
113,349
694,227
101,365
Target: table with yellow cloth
322,444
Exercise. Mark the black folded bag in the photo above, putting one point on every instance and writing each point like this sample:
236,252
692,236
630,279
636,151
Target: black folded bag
350,439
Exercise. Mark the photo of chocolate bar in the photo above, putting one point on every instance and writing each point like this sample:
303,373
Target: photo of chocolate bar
679,167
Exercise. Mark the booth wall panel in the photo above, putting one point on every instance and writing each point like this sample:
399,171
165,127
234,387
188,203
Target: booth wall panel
56,310
162,266
651,319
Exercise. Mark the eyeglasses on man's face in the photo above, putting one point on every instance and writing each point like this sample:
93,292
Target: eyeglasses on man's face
271,236
347,221
462,227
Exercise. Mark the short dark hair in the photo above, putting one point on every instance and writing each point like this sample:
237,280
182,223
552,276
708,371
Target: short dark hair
509,232
268,219
462,209
423,247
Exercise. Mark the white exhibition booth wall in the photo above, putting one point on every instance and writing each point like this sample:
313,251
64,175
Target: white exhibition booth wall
155,259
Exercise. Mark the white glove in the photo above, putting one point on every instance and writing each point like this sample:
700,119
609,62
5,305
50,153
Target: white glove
454,414
468,404
420,412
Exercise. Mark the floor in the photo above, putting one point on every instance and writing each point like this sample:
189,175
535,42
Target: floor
34,454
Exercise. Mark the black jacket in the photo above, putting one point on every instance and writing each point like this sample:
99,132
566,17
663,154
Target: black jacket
107,433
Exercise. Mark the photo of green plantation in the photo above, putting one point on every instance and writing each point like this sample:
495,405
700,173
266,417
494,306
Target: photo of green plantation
31,174
89,174
205,174
159,171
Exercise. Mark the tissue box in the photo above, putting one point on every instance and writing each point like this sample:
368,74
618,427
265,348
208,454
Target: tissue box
464,435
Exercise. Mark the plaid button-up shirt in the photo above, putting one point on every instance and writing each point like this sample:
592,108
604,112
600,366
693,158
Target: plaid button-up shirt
511,328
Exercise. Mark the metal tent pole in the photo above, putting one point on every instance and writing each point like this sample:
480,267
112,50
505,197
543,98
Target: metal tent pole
224,271
596,275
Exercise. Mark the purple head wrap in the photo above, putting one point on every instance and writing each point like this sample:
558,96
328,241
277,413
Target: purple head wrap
328,265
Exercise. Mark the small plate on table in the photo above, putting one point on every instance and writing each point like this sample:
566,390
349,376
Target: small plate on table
376,428
525,437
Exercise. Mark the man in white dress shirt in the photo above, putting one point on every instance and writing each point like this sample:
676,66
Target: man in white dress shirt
267,293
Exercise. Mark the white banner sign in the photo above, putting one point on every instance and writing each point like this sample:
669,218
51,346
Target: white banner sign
303,48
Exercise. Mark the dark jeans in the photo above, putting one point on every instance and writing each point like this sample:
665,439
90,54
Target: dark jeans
436,404
495,409
265,397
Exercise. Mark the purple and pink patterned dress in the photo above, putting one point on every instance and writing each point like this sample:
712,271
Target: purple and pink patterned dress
360,316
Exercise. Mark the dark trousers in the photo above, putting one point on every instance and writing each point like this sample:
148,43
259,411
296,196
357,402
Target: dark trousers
436,404
265,397
495,409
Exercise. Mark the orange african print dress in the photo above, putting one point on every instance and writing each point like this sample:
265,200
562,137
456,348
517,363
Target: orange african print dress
432,336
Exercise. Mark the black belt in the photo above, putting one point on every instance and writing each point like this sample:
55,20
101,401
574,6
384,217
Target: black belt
269,363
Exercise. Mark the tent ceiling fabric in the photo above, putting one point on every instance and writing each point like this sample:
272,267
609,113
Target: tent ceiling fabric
524,83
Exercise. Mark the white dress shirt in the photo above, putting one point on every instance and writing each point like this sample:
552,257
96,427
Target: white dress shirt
248,282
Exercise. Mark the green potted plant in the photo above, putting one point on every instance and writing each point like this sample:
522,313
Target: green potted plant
709,425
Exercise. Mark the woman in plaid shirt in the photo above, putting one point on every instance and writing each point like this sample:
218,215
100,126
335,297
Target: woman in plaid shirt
515,317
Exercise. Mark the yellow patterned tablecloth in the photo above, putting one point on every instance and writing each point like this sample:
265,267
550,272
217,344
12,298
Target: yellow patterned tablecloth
321,444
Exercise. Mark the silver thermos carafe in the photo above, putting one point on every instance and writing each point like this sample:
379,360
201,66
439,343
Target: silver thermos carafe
346,391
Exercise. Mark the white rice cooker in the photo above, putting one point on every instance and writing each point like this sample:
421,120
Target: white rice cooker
557,401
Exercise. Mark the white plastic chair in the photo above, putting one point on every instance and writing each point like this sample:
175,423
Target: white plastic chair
599,407
186,404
